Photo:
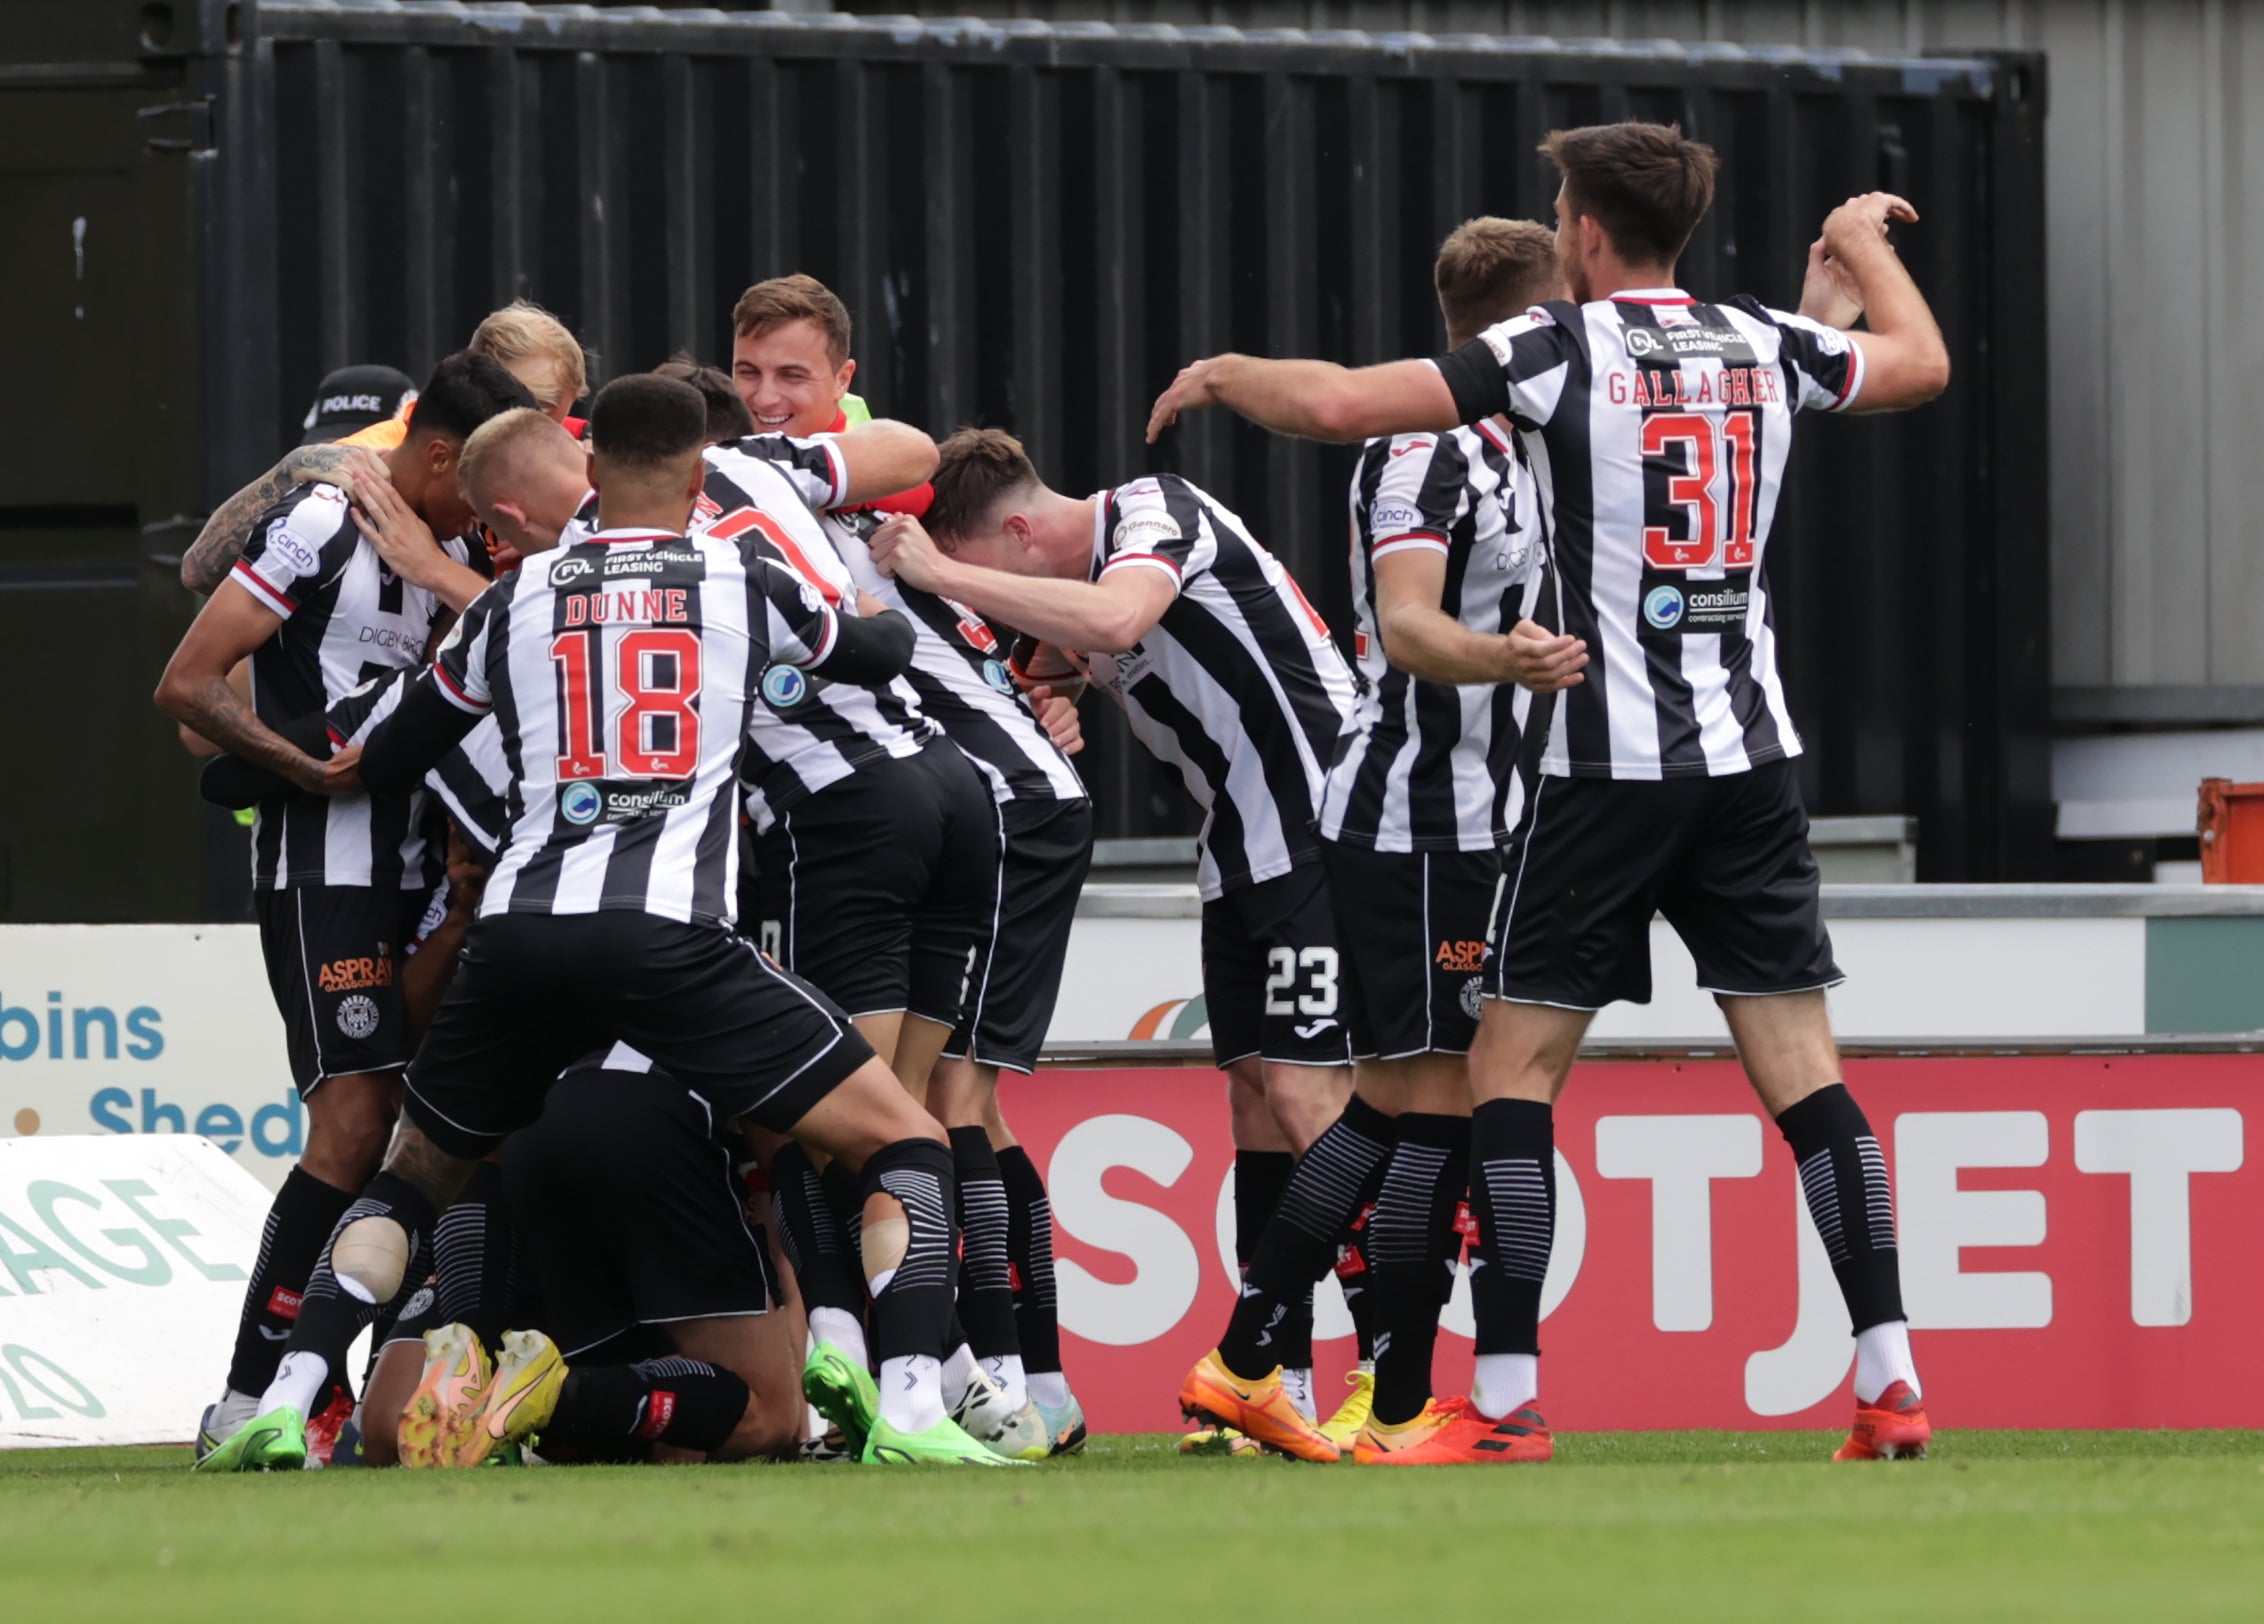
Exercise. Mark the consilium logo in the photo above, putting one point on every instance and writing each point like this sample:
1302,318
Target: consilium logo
1663,607
581,803
784,686
995,674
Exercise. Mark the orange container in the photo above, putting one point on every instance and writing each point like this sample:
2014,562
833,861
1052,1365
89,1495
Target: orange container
2232,832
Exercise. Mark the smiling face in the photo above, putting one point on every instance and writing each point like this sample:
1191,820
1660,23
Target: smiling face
789,379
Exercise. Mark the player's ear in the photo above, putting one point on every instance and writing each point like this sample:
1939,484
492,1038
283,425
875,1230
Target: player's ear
846,376
589,468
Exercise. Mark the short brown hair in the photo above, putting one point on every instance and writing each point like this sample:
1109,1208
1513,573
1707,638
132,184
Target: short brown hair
727,416
794,298
1646,184
978,468
1490,269
523,331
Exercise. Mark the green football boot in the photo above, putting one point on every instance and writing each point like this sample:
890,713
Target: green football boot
275,1442
946,1443
844,1394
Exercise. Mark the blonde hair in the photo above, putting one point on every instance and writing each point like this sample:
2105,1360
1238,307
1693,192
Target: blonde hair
523,331
503,440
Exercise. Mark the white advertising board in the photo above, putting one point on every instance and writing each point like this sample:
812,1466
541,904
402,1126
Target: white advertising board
168,1029
122,1267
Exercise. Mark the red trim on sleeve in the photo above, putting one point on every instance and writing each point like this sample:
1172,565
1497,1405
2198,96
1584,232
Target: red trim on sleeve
277,600
454,693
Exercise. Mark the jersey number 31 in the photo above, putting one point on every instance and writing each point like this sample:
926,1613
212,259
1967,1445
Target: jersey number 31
1710,482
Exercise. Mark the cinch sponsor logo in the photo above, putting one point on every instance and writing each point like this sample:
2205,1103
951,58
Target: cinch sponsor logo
81,1032
274,1130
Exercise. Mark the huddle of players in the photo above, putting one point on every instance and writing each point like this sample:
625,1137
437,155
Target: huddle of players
926,886
1475,508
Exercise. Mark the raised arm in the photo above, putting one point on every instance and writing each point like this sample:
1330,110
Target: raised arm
1317,400
1106,616
881,458
1423,640
1905,363
213,554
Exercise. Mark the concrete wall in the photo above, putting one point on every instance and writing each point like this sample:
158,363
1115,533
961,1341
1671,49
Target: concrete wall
2157,221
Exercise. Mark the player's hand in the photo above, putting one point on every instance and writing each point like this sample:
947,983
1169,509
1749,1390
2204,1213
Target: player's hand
1827,292
340,775
1057,714
1540,660
1196,386
1862,221
902,548
403,541
466,878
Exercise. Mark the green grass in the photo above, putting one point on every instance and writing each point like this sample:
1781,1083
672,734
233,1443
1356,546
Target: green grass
1688,1525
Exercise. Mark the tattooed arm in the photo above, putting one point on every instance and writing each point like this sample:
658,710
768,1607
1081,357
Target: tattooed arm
209,558
195,691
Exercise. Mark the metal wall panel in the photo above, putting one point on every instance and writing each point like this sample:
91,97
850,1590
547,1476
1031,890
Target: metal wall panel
1036,227
2155,162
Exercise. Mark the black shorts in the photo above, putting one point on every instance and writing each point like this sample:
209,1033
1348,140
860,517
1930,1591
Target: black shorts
1726,860
876,889
536,992
1272,980
1413,925
334,956
625,1198
1018,963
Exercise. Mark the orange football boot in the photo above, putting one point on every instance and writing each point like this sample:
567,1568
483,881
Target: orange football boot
1381,1445
1453,1432
1892,1427
1257,1409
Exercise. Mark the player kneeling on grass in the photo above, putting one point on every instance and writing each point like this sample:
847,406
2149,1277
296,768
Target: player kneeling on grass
621,670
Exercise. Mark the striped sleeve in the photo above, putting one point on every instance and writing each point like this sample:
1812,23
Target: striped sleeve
352,715
296,548
813,466
1419,492
1823,364
802,625
1157,524
1517,367
460,668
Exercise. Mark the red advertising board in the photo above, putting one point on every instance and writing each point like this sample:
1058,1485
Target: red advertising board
2079,1244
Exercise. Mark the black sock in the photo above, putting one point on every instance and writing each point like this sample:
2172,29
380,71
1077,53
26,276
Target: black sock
1353,1275
332,1316
1844,1177
475,1259
911,1313
824,1265
986,1278
1412,1231
1029,1247
1513,1197
1259,1178
1299,1243
679,1401
299,1223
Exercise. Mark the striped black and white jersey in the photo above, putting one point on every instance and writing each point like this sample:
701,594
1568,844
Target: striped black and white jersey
1659,428
472,781
806,733
620,672
1239,685
346,618
1430,766
959,666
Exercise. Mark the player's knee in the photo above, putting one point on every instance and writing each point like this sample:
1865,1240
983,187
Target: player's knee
883,1238
349,1122
370,1257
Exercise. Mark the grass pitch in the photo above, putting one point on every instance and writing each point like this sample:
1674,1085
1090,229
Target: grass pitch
1627,1525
